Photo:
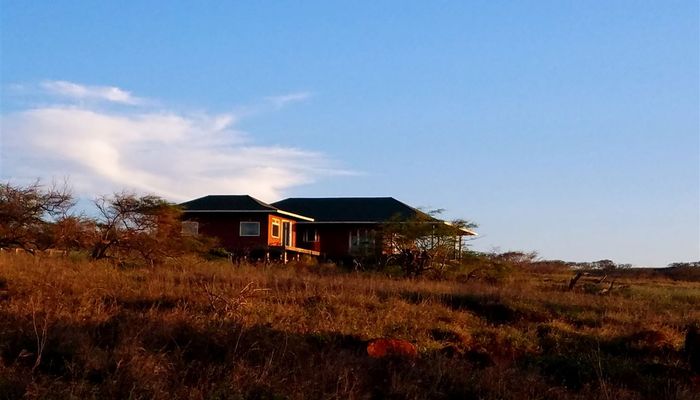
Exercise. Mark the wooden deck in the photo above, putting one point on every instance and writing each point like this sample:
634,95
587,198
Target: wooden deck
299,250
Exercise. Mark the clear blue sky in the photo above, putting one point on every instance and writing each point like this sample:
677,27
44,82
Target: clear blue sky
566,127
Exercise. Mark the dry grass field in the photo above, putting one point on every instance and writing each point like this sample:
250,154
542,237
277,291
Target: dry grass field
195,329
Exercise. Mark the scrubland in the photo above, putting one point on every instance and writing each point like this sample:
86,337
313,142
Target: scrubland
197,329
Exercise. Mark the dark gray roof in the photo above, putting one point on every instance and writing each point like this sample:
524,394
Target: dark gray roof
227,203
349,209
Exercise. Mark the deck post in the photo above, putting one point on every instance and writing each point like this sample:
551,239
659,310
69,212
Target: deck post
459,255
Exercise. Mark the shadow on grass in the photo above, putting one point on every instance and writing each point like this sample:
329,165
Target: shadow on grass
487,307
115,358
132,354
642,360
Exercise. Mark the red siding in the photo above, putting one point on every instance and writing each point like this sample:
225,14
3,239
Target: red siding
334,239
277,241
226,228
301,237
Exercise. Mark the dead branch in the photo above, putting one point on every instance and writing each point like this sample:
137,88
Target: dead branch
575,279
227,306
40,334
607,290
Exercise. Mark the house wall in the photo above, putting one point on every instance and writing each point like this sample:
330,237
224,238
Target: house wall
277,241
226,228
301,237
334,239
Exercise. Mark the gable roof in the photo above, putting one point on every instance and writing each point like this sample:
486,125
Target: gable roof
233,203
227,203
349,209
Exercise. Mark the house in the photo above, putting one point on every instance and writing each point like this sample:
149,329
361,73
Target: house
338,229
347,227
245,226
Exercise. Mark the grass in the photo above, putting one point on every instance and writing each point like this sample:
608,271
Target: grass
196,329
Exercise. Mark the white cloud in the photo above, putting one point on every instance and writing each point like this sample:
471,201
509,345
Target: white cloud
171,154
284,99
83,92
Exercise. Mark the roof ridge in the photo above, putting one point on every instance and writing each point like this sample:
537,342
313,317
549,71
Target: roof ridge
227,195
338,197
229,202
262,203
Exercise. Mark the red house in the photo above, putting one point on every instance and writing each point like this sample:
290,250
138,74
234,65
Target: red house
245,226
345,227
338,229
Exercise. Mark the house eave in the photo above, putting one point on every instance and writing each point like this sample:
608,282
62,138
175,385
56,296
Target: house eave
467,232
251,211
345,222
228,211
295,215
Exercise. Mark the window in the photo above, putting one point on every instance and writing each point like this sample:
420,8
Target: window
310,235
189,228
287,233
361,240
250,228
275,228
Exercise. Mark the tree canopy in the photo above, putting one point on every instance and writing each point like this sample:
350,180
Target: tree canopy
127,226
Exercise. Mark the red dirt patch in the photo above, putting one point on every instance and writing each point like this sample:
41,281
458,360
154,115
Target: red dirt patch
381,348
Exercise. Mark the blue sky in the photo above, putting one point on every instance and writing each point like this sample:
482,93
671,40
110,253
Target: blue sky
565,127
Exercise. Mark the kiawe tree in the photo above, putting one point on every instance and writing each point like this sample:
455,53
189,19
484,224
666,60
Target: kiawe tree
145,227
127,227
29,214
424,242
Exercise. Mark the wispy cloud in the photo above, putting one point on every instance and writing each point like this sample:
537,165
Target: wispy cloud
173,154
285,99
83,92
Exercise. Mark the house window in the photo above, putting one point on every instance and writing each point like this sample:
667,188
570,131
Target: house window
361,239
276,228
250,228
310,235
287,233
189,228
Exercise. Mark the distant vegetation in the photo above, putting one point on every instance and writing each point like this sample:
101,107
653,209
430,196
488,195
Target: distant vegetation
146,230
123,306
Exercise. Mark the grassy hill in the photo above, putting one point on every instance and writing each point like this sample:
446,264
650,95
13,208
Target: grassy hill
196,329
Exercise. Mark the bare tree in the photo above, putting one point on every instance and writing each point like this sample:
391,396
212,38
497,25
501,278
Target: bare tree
424,242
145,227
27,214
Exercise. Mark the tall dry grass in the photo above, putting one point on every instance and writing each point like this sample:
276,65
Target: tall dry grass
200,329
